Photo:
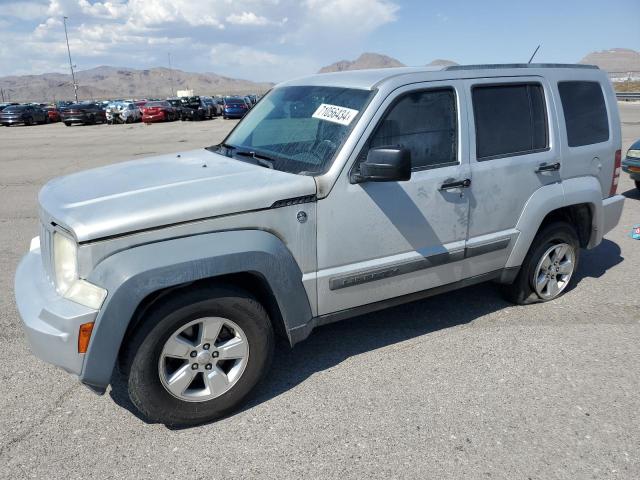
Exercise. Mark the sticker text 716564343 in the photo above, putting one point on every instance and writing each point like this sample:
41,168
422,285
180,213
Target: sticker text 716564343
336,114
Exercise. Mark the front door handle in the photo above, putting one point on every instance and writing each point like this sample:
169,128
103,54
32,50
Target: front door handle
466,183
550,167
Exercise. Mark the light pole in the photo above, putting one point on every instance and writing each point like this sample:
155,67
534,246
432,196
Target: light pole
170,73
73,76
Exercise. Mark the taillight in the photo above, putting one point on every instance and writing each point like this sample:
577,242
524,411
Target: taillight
617,166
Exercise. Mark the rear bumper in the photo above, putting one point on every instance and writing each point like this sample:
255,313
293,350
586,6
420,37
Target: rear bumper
611,212
160,117
234,114
50,321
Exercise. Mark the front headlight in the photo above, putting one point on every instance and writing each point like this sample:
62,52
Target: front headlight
65,264
633,154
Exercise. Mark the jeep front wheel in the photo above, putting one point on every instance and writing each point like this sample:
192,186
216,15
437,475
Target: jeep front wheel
197,356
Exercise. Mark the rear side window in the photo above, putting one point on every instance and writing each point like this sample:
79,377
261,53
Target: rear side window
424,122
585,113
510,119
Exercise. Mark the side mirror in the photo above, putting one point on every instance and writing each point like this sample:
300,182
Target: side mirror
385,164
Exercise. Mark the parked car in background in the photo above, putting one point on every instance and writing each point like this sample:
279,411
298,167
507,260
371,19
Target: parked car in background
161,111
140,104
122,112
194,109
631,164
84,113
53,115
178,106
7,104
214,109
25,114
234,107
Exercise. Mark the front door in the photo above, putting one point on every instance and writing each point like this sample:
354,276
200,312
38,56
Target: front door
382,240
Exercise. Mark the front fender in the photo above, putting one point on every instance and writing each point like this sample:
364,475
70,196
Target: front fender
131,275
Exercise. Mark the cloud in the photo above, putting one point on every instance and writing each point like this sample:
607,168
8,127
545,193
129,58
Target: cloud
247,18
260,39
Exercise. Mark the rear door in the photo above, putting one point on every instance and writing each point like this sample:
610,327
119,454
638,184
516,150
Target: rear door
514,151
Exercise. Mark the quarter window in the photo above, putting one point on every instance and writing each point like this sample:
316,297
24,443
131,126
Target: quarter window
510,119
585,113
424,122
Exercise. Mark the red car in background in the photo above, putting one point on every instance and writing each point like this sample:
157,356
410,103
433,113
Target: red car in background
159,112
53,114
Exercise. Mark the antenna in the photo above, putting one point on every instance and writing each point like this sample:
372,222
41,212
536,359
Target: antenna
534,53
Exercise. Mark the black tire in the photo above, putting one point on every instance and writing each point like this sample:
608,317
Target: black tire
142,354
68,124
28,122
638,184
521,291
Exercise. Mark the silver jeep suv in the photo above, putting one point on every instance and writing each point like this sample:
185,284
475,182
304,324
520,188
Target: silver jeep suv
337,194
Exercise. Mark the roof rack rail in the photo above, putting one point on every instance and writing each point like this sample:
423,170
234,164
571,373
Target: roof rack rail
490,66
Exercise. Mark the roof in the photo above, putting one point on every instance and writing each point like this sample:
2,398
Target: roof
369,79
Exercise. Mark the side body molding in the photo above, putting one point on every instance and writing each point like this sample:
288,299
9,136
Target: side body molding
573,191
129,276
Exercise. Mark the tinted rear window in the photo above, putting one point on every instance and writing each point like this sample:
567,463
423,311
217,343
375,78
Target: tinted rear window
15,108
510,120
585,113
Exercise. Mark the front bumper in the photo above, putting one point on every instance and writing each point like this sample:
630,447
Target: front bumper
611,212
11,120
75,119
51,322
632,163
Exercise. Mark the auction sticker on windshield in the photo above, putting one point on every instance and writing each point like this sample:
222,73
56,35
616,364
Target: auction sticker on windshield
336,114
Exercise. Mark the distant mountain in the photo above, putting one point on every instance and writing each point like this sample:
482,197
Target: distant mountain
363,62
441,62
113,82
615,60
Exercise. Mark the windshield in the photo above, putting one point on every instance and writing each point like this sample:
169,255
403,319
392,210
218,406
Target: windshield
300,128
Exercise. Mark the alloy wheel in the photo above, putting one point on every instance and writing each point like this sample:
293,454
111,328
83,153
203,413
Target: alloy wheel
554,271
203,359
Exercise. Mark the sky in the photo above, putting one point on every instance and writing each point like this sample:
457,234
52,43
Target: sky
273,40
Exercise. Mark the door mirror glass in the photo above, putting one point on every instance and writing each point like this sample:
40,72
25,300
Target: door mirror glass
385,164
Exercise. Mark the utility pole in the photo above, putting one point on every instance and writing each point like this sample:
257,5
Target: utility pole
2,92
170,73
73,76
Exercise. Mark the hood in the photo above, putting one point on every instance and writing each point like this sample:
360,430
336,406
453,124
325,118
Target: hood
164,190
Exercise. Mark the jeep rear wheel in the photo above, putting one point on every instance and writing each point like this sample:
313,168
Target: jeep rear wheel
549,267
638,184
198,355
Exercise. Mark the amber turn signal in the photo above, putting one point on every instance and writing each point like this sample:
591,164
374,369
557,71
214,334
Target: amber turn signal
84,335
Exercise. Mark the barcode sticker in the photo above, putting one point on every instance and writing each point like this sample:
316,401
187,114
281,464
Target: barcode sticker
335,114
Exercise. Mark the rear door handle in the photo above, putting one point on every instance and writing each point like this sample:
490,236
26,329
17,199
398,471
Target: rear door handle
551,167
466,183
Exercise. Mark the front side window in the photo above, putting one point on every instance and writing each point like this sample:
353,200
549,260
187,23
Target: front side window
585,113
510,120
424,122
299,129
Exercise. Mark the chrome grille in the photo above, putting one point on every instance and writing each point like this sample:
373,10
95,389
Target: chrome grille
46,250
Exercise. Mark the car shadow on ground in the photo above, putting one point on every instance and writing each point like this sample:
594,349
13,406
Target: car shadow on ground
633,193
332,344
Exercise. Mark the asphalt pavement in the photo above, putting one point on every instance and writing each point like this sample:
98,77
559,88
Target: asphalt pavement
461,386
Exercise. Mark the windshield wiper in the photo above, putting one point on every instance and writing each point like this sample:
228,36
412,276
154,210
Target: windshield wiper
260,158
